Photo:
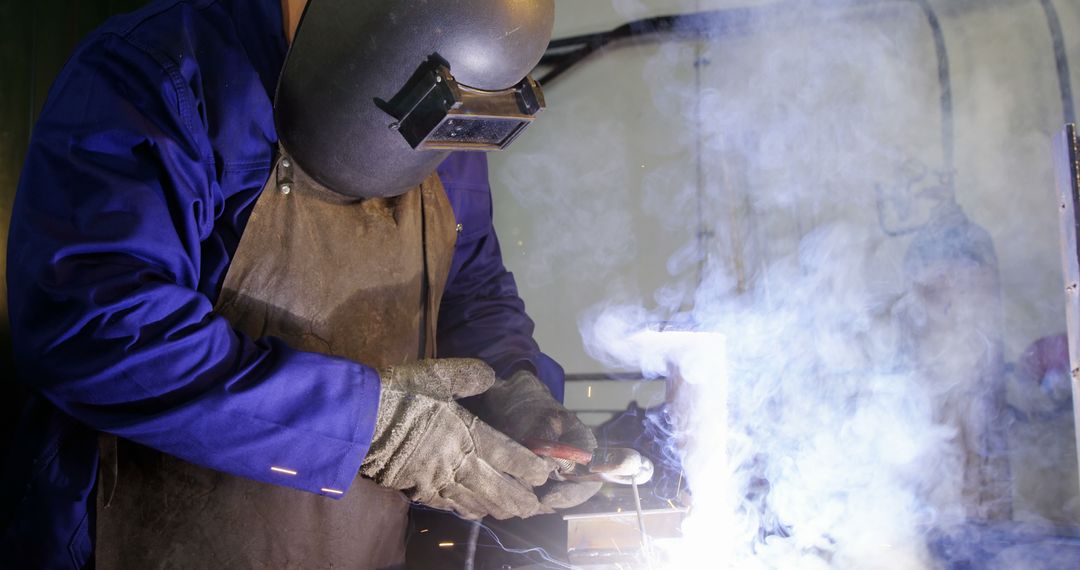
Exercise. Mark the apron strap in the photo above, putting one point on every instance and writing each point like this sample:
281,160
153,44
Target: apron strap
425,285
108,467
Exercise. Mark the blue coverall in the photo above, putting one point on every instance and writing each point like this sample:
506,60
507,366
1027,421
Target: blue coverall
151,150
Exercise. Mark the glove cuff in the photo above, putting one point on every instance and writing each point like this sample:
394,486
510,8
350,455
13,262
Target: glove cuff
523,385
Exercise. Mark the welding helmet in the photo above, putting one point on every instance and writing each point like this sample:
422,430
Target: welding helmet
375,94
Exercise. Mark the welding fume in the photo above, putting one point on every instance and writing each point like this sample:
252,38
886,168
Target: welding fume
838,247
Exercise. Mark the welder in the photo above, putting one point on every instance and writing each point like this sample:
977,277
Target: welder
249,282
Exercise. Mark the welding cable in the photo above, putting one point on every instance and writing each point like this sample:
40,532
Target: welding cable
948,131
1068,105
565,53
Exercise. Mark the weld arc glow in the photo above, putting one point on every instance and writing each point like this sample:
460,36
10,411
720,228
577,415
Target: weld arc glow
697,366
798,454
806,420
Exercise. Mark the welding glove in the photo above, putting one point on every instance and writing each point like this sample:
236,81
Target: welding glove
442,456
523,408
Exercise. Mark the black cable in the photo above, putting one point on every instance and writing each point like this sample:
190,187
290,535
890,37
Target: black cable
1068,105
565,62
948,130
565,53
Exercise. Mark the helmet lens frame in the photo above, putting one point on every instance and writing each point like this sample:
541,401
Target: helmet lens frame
432,111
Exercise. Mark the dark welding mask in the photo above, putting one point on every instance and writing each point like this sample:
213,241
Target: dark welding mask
375,94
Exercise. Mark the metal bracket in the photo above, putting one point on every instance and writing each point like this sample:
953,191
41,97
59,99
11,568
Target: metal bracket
1067,176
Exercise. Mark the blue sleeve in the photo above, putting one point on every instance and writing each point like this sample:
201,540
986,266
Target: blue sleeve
117,194
482,315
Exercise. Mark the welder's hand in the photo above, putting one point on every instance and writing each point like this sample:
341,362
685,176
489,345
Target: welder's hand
444,379
523,408
440,455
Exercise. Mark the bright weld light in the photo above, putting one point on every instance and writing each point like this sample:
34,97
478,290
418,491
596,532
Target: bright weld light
332,491
700,417
446,544
588,393
283,470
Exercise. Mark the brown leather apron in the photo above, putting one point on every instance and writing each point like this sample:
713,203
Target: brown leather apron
358,279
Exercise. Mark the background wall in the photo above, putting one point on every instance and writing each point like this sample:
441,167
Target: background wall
606,133
659,162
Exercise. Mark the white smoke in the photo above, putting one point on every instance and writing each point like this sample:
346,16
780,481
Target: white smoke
834,382
611,235
798,387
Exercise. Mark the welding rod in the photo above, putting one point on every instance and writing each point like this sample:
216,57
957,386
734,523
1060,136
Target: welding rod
645,550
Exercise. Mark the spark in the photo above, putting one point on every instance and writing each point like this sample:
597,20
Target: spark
525,551
539,552
283,470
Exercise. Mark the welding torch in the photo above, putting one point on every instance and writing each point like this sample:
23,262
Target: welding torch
618,465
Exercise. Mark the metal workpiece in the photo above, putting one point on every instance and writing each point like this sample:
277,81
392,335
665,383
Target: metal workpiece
1067,178
619,534
620,525
619,466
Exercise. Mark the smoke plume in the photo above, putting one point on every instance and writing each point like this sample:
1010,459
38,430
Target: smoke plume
841,347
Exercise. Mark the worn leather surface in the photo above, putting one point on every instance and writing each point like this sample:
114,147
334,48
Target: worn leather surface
332,275
523,408
442,456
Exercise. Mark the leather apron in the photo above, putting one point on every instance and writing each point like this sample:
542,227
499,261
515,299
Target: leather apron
361,279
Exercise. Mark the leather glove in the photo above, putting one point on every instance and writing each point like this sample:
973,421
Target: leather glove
523,408
442,456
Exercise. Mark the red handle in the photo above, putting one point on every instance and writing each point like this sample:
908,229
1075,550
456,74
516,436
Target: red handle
556,450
